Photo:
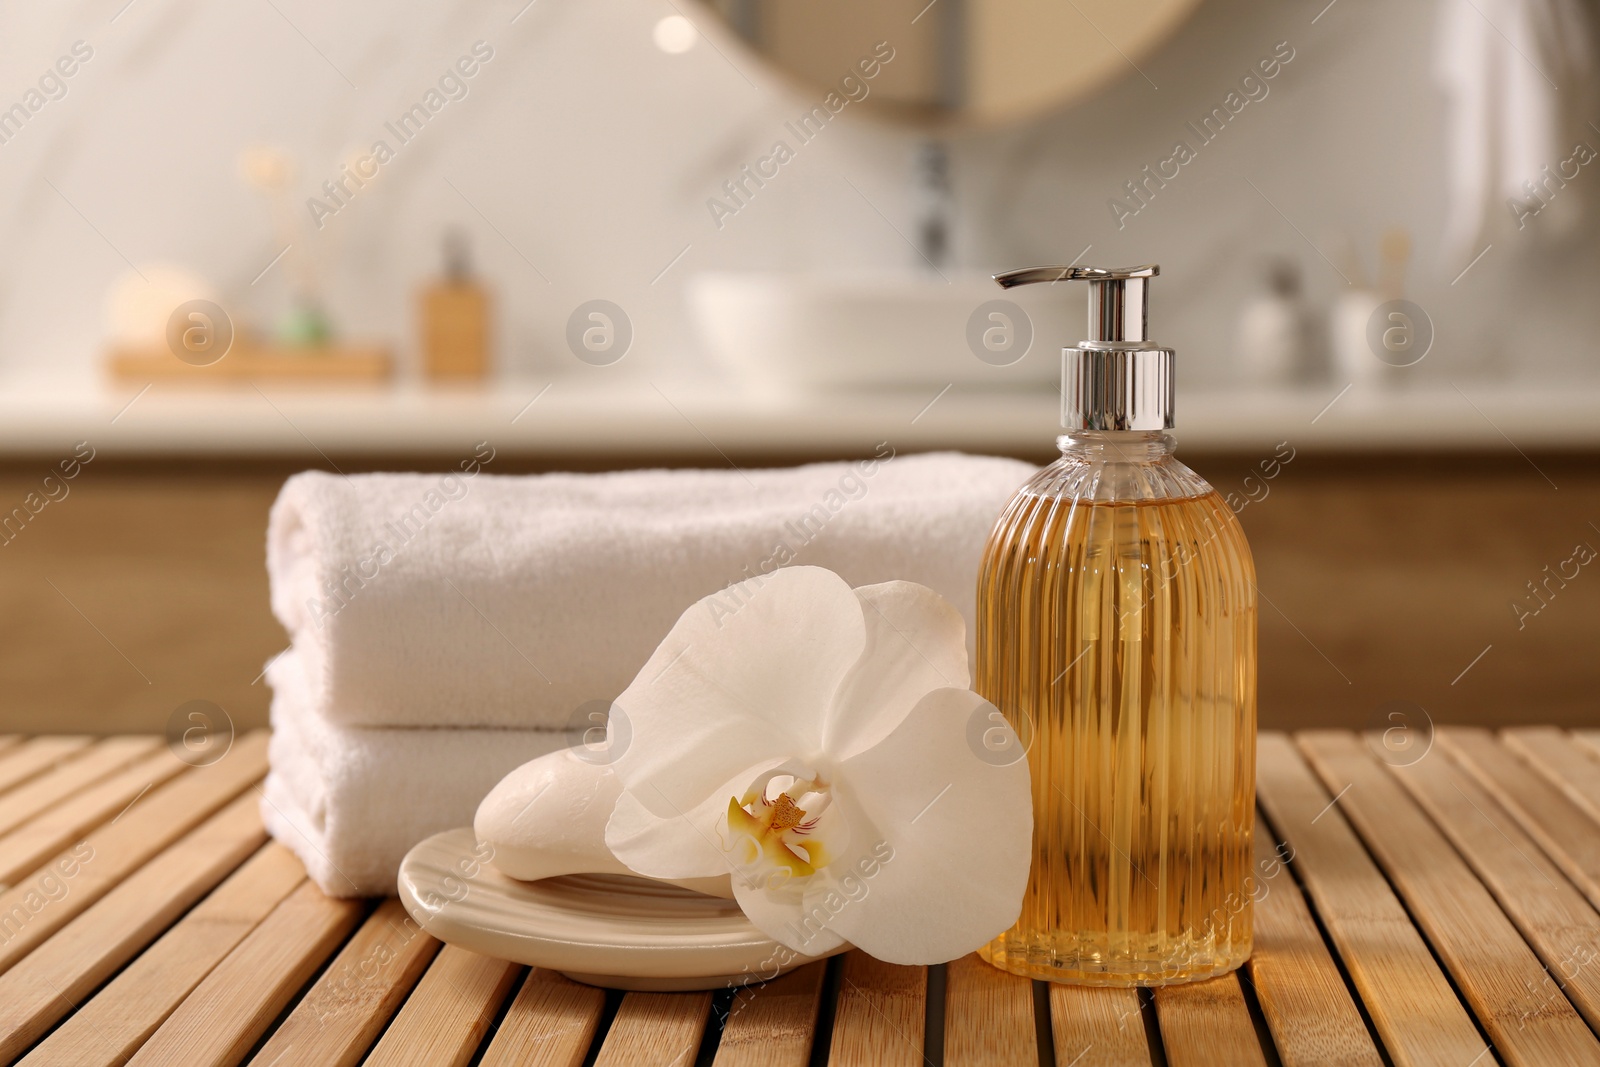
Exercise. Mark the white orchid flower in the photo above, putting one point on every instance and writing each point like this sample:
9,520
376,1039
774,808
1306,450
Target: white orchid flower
821,745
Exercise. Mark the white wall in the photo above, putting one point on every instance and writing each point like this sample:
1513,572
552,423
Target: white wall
593,153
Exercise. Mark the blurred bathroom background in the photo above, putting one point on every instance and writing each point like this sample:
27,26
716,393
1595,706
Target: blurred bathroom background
753,232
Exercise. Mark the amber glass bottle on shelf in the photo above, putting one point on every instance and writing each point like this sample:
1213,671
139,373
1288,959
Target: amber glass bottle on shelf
454,317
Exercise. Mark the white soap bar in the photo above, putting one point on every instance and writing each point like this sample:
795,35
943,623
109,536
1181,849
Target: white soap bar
548,818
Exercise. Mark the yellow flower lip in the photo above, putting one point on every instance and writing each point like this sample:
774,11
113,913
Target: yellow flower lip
775,831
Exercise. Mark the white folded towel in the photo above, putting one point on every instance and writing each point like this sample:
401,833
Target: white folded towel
351,801
515,601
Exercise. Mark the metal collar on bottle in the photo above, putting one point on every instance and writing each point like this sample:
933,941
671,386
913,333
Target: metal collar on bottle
1116,379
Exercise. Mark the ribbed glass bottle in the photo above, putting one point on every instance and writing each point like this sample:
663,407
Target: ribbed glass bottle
1116,629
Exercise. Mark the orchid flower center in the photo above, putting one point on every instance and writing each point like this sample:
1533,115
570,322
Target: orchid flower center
785,814
771,836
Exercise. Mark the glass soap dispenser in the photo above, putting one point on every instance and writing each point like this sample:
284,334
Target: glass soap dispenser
1116,630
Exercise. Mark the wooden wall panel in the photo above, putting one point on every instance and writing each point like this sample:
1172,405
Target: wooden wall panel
1383,578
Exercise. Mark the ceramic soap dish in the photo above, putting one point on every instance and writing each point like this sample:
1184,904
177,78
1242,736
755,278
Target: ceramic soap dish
600,929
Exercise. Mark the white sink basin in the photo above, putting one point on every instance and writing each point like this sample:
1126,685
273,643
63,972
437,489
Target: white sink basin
822,333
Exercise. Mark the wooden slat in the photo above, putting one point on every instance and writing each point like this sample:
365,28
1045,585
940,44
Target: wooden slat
24,849
551,1023
1098,1027
1523,1011
881,1014
1406,994
1555,918
9,741
1205,1023
46,983
1480,839
1313,1019
773,1024
447,1015
1561,827
1568,764
112,754
341,1015
988,1016
36,756
656,1030
1590,738
122,1016
234,1004
111,853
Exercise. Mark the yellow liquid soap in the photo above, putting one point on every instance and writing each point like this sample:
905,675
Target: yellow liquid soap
1116,631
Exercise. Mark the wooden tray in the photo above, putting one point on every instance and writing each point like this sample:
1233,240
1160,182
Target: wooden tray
335,363
1443,912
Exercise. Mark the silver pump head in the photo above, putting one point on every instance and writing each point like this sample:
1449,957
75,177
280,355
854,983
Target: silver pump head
1116,379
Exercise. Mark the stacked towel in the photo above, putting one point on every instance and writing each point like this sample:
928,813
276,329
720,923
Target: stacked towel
351,801
447,629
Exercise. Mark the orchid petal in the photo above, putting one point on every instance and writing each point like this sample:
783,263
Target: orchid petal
949,869
745,677
781,914
916,642
687,845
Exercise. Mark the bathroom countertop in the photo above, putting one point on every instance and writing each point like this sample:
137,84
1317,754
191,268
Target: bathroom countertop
572,418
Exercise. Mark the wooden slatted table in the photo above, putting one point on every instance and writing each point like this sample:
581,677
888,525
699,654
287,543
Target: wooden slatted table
1438,913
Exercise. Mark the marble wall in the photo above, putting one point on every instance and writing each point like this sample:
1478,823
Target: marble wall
580,156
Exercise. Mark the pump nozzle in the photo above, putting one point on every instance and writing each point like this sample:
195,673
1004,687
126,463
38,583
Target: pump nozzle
1116,379
1118,296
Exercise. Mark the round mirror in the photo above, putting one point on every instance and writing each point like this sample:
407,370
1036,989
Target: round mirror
954,62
